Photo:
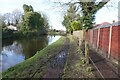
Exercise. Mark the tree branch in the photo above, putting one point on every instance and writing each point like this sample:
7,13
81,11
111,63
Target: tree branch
101,4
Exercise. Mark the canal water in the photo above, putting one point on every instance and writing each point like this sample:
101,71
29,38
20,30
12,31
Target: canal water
16,51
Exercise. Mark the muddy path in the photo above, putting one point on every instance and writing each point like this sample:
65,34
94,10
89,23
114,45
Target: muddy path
54,67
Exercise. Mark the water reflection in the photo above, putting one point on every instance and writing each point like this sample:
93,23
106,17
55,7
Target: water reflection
11,55
52,39
16,51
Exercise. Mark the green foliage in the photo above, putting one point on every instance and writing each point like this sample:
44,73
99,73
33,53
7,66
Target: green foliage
89,69
69,17
6,33
2,24
83,60
66,23
76,25
31,8
33,21
26,8
89,9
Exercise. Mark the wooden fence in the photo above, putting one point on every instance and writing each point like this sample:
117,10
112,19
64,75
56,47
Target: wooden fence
106,39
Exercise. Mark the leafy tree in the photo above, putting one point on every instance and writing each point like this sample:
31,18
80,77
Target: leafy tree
31,8
76,25
89,9
25,8
33,21
66,23
69,17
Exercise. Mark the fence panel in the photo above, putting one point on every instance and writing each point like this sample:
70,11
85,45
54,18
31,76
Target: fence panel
114,42
104,44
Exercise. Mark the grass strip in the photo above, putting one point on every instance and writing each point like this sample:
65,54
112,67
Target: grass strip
75,66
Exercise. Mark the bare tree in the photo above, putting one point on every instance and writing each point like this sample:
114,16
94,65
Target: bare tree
7,17
17,16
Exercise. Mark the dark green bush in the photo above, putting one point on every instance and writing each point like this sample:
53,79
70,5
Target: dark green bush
7,33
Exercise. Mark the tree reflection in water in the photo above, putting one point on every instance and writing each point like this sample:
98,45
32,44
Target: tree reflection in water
16,51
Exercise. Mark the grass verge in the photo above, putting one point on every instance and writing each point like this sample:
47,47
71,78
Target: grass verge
75,66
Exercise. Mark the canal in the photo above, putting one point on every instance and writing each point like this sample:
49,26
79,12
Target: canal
16,51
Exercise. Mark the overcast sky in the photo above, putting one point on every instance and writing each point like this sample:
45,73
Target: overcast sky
55,15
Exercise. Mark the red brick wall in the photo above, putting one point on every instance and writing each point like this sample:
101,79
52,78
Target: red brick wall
92,37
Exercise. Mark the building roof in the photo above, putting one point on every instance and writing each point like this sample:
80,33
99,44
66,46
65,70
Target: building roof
116,23
107,24
12,27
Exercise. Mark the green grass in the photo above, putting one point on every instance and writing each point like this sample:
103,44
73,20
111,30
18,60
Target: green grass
75,66
29,66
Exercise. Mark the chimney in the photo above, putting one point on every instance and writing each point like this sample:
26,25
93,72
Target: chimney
113,21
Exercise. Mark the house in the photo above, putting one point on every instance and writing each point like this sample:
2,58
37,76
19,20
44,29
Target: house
12,27
102,25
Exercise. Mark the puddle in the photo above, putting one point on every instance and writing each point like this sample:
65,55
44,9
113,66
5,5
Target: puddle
56,67
59,60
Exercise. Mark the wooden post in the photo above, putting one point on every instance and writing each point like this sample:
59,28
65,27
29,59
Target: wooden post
84,36
86,48
98,38
110,39
87,52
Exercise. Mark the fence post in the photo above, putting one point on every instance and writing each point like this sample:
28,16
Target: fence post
110,38
98,38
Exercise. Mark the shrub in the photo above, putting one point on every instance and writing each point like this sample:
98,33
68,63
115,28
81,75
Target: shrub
89,69
76,25
83,61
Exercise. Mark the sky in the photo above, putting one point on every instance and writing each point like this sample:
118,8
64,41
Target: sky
55,14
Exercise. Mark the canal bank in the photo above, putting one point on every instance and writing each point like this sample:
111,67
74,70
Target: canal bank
61,59
15,51
31,65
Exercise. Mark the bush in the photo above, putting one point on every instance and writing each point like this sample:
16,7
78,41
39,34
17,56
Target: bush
76,25
7,33
89,69
83,61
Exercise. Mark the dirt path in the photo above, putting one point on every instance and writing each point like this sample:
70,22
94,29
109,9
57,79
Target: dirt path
66,63
105,69
101,68
54,67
